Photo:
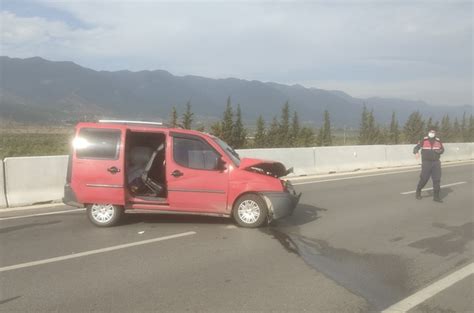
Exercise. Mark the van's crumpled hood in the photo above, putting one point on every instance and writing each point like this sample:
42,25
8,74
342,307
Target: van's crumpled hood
271,168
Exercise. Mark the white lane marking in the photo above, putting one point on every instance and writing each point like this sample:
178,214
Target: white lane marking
426,189
91,252
39,214
428,292
363,176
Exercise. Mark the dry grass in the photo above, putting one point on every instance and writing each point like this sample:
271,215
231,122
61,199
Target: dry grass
26,140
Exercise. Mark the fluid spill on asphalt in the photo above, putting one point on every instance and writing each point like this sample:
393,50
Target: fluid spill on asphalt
454,242
378,278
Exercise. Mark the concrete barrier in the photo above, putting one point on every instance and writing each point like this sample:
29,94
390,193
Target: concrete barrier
301,159
401,155
348,158
3,198
32,180
457,151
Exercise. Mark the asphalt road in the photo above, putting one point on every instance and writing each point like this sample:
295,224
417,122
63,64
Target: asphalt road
356,243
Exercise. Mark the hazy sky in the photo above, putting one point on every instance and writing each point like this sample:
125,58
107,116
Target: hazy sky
405,49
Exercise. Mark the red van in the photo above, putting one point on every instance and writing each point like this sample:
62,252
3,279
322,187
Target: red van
116,166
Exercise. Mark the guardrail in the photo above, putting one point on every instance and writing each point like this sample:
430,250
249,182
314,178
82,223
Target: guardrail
29,180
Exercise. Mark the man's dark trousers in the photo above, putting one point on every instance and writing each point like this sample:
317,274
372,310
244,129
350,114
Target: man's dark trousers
430,169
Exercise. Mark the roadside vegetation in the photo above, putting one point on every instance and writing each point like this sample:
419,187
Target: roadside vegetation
34,141
281,131
285,131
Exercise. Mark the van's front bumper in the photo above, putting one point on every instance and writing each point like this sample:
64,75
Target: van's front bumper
70,197
280,204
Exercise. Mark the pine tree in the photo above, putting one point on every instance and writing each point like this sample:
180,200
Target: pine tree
373,131
471,129
283,136
383,135
414,128
238,130
174,118
436,126
216,129
363,130
295,130
272,134
429,125
446,129
187,119
464,128
306,137
456,135
325,137
227,124
260,135
201,128
394,133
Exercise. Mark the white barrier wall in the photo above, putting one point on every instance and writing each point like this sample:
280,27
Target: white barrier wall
35,179
3,198
401,155
458,151
348,158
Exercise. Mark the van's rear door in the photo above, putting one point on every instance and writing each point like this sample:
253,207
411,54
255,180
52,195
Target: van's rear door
97,173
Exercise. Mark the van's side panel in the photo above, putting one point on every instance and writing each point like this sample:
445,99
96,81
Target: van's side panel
194,183
98,167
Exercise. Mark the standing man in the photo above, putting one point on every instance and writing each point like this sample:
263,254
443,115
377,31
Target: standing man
431,150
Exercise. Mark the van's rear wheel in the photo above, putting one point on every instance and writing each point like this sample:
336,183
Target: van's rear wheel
250,210
104,214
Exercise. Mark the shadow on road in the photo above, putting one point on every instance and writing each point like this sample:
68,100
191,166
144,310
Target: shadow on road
18,227
443,193
9,299
303,214
454,242
157,218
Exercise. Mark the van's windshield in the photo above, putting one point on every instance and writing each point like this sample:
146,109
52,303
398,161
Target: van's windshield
231,153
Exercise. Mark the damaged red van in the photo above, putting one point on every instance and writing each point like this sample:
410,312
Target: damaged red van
118,166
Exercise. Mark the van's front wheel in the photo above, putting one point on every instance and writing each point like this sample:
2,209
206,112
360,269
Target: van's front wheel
104,214
250,210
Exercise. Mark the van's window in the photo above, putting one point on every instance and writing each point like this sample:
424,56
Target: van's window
97,143
194,153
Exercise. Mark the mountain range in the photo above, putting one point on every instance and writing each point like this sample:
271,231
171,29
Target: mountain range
35,90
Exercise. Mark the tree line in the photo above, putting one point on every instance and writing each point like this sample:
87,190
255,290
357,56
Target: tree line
414,129
285,131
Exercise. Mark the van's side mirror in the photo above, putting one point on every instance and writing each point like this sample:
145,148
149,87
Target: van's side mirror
220,164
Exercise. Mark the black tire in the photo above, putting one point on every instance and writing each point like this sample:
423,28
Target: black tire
245,209
104,215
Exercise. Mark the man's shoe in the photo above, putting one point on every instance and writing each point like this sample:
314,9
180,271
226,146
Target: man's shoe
436,197
418,195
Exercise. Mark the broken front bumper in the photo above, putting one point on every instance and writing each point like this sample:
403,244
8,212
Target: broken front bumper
280,204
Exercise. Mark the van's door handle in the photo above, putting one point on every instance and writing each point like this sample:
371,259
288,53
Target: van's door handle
113,170
177,173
